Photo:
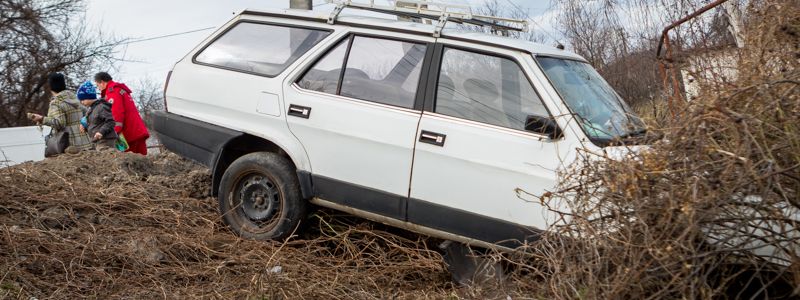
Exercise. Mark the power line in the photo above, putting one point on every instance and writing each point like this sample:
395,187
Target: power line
188,32
167,36
534,21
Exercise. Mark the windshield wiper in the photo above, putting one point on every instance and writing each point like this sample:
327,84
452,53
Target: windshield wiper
635,133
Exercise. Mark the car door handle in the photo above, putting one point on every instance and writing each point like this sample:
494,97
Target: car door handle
299,111
432,138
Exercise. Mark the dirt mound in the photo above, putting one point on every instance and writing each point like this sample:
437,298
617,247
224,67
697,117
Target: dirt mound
112,225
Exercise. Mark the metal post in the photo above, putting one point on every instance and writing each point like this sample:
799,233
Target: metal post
667,64
301,4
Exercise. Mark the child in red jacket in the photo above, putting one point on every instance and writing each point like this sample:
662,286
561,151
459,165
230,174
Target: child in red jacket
128,121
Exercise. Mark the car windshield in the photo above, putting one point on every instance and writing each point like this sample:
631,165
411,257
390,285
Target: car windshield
600,111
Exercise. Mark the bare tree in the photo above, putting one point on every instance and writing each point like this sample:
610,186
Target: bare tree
38,37
499,9
149,97
619,38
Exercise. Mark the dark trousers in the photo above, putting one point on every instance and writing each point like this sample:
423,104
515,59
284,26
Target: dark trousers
104,144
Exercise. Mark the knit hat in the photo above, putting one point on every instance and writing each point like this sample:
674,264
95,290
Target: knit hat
56,82
87,91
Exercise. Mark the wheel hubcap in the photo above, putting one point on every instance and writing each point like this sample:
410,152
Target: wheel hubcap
260,198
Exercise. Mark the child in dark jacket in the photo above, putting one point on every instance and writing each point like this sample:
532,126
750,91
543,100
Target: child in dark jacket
99,120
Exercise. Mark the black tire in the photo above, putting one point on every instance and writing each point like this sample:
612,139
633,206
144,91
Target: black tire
259,197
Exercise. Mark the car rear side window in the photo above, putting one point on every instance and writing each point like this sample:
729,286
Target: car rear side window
378,70
263,49
485,88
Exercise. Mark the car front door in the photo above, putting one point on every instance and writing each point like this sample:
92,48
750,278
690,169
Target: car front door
477,172
356,111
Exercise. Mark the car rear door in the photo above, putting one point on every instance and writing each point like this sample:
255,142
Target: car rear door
477,172
356,110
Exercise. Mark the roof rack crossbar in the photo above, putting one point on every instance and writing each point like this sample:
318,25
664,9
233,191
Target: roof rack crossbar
422,9
483,23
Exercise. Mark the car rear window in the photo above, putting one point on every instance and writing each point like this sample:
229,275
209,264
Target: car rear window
263,49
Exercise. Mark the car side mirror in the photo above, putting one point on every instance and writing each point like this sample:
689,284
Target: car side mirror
543,125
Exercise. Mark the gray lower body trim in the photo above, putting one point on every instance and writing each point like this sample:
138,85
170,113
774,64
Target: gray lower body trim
418,215
407,225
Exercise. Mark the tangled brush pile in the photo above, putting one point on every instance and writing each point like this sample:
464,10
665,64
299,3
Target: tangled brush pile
712,209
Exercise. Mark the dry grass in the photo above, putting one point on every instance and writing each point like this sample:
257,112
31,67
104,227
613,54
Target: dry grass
105,225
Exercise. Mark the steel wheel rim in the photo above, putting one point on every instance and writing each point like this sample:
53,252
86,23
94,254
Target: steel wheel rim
257,201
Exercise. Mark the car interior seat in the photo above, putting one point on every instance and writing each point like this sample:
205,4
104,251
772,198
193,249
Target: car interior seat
448,100
486,106
356,84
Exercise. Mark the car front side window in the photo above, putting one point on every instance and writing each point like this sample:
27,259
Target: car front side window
487,89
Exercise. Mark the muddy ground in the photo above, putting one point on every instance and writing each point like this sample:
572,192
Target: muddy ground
114,225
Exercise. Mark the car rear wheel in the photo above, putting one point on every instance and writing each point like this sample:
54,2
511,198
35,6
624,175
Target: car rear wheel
259,197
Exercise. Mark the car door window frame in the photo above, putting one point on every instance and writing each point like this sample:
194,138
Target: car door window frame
234,25
431,91
422,83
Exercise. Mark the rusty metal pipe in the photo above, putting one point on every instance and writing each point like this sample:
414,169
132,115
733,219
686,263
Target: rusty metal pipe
683,20
666,65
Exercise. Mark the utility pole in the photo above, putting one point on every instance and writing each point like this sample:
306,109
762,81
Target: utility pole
294,40
301,4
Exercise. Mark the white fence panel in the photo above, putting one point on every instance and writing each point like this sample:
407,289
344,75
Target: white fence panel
21,144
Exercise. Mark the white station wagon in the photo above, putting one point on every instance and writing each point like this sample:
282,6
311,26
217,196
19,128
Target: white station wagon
426,127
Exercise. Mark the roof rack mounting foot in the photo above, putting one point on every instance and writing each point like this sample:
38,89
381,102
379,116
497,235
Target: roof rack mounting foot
437,33
335,13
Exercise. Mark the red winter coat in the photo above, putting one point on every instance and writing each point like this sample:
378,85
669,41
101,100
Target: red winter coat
129,122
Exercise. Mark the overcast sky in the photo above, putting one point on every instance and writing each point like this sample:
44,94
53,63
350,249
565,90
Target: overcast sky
143,19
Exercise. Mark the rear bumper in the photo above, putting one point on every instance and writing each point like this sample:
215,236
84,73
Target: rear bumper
190,138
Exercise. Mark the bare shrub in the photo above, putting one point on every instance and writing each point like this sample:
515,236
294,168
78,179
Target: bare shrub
709,211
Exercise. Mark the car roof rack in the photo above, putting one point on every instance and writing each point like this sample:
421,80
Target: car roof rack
440,12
